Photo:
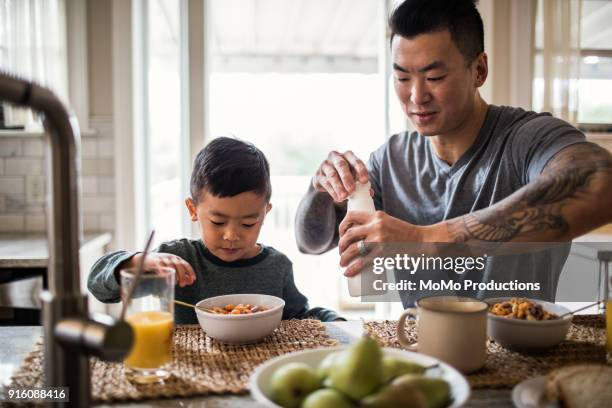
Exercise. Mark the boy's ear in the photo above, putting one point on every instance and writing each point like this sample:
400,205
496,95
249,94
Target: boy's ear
268,208
191,207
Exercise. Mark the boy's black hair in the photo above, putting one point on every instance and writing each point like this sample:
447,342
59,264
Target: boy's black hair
459,17
227,167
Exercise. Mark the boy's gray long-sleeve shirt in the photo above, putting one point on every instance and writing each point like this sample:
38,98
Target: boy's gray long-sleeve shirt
269,273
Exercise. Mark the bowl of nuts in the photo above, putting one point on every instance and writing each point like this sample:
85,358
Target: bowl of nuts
241,318
526,325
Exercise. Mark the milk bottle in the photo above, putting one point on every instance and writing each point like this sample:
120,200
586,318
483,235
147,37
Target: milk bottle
361,200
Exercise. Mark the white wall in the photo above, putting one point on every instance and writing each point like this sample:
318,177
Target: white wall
508,40
22,178
100,58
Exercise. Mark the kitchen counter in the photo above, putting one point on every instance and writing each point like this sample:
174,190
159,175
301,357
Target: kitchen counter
30,250
23,267
18,342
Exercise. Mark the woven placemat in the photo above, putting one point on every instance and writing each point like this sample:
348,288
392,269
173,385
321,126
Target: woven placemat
585,342
200,366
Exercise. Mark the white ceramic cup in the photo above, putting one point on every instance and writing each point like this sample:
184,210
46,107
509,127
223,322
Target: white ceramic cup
450,328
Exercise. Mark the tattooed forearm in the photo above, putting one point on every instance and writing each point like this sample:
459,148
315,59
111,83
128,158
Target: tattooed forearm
506,229
572,183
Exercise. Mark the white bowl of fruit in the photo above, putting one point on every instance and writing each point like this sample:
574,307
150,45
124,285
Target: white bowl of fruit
361,375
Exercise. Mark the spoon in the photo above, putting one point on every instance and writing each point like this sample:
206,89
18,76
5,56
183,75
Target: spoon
178,302
579,309
130,291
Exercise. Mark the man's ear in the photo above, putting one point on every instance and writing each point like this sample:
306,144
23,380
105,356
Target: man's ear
192,208
482,69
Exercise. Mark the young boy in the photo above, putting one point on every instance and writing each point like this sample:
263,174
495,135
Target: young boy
230,194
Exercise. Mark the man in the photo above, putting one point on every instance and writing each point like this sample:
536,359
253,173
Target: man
471,172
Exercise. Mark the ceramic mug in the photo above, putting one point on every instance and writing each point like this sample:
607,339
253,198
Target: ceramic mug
450,328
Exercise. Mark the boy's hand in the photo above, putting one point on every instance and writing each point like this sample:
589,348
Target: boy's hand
185,275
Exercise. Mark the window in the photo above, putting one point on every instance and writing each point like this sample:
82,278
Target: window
592,87
163,119
595,84
299,78
33,46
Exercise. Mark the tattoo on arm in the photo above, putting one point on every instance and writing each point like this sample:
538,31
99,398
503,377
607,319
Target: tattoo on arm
568,176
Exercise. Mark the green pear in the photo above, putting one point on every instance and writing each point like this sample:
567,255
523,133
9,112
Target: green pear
357,371
435,390
325,365
326,398
393,367
395,395
291,383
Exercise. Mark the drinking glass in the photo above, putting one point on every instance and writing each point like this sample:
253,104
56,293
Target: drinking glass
609,321
150,313
604,293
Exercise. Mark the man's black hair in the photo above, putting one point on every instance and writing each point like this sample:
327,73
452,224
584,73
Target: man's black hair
459,17
227,167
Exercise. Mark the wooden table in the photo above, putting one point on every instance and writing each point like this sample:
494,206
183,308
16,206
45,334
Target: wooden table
18,342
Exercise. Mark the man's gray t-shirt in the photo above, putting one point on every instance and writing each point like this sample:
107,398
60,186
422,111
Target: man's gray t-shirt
513,146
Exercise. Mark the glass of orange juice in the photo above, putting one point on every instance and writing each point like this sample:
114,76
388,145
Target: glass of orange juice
150,313
609,320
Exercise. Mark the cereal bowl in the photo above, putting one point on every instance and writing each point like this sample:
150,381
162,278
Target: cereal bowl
528,335
240,328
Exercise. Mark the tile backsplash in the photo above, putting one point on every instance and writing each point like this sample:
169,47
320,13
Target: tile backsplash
23,185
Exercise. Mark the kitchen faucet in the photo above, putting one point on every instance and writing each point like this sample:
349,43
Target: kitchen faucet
70,336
